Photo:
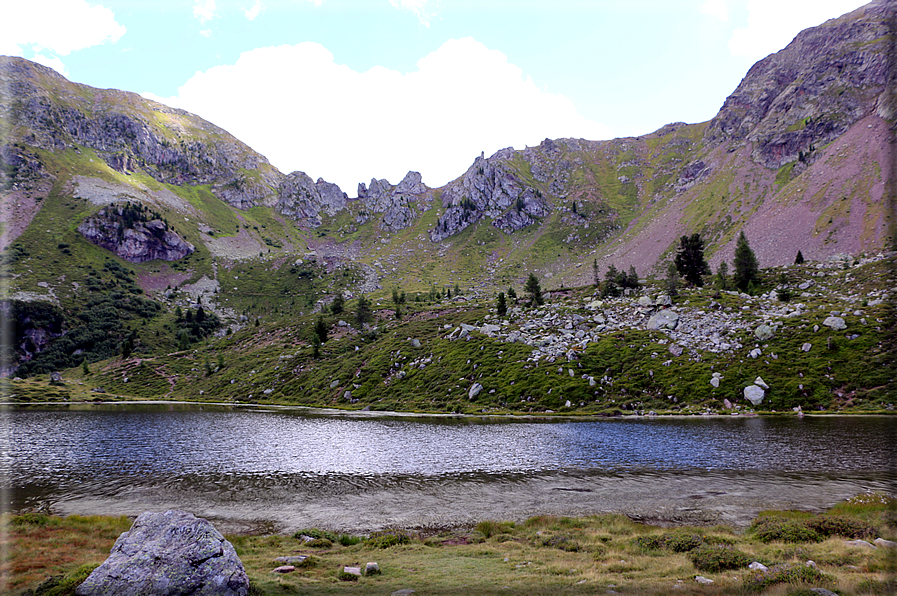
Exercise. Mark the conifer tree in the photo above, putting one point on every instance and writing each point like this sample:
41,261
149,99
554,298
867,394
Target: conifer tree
690,263
533,290
501,305
746,267
363,311
336,307
672,280
799,258
321,329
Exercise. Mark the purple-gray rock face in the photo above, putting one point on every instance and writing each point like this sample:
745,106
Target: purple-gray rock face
304,201
399,204
811,92
491,189
138,242
169,554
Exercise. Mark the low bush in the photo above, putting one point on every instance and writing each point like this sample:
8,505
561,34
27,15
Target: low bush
562,542
387,539
718,558
769,529
315,533
678,542
785,574
836,525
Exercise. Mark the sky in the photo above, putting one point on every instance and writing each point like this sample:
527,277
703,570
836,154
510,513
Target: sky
349,90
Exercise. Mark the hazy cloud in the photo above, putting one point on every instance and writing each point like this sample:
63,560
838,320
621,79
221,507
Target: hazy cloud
772,24
33,28
424,10
255,11
204,10
304,111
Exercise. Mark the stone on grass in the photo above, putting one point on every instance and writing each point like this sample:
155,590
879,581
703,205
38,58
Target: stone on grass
665,319
371,569
727,404
703,580
352,570
759,382
676,349
823,592
169,553
885,543
474,390
645,301
291,560
806,347
663,300
284,569
835,323
714,381
757,566
763,332
754,394
860,543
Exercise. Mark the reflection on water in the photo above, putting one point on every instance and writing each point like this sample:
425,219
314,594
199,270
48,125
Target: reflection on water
237,462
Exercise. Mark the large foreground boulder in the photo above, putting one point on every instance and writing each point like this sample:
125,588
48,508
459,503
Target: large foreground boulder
169,554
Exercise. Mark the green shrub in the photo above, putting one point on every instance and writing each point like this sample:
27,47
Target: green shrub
835,525
562,542
349,539
345,576
318,543
31,519
785,574
678,542
768,529
316,533
718,558
491,528
387,539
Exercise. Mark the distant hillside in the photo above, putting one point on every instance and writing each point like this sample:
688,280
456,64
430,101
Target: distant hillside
800,157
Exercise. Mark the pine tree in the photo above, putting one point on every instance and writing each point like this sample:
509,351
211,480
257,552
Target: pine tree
315,347
799,258
722,276
336,307
689,262
595,276
672,280
321,329
512,294
533,290
611,278
501,305
84,368
746,267
362,311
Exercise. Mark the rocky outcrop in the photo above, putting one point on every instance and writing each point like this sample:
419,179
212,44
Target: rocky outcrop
399,204
489,188
829,77
304,201
134,241
127,131
169,553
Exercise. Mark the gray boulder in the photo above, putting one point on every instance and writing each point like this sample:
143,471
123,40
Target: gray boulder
835,323
665,319
754,394
171,553
475,390
763,332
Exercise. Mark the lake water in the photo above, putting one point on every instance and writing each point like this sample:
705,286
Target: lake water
283,470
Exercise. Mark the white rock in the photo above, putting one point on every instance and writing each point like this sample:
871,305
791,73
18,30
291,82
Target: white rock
474,390
885,543
756,566
703,580
759,382
806,347
714,381
754,394
836,323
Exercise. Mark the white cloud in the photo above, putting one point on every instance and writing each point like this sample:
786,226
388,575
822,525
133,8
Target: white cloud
772,24
422,9
56,26
204,10
716,9
303,111
255,11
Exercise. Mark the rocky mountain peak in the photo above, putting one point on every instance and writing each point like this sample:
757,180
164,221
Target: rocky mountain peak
804,96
